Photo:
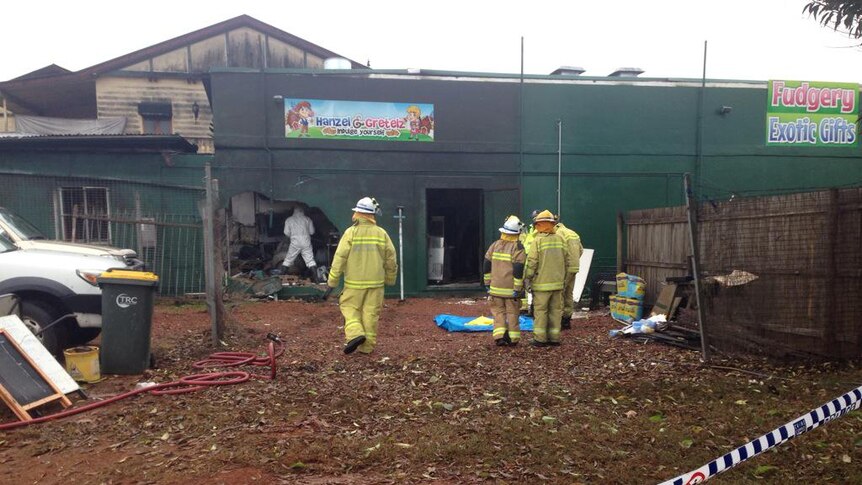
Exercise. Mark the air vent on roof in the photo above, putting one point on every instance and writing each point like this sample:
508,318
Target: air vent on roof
568,71
336,63
627,72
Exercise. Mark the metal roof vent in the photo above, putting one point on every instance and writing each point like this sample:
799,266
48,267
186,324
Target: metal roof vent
336,63
568,71
627,72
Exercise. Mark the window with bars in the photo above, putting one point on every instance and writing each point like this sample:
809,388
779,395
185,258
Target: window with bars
84,214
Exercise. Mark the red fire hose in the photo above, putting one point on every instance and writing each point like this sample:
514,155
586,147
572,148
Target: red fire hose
186,384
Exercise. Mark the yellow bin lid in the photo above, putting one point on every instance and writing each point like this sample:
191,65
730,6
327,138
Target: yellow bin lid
130,275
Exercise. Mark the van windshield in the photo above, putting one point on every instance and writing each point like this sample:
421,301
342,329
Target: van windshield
19,226
6,245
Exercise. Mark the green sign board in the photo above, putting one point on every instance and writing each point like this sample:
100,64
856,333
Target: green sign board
358,120
804,113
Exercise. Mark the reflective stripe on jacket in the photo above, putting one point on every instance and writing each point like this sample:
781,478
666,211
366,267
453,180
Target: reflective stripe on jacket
504,267
547,262
365,256
573,242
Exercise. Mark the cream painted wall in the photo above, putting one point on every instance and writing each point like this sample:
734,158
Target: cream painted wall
120,96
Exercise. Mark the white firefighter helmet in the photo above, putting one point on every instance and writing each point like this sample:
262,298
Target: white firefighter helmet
513,225
367,205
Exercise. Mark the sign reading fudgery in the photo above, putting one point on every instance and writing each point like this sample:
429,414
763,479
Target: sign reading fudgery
358,120
805,113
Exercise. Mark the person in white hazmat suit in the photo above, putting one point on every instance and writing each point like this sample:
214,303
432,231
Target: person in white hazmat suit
299,228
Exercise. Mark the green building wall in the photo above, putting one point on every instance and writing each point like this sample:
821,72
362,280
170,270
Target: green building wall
164,187
625,145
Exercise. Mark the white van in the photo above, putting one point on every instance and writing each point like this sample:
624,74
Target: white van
55,286
26,236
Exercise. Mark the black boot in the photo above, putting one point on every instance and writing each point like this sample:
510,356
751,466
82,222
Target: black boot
354,344
314,278
501,342
536,343
566,323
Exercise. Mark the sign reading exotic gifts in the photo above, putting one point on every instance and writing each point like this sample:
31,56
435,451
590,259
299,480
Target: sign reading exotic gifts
805,113
358,120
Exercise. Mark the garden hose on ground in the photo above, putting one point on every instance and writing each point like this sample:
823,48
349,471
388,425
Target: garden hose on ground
186,384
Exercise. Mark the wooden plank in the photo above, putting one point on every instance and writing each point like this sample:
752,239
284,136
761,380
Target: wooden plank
24,384
40,402
16,408
658,264
621,265
13,325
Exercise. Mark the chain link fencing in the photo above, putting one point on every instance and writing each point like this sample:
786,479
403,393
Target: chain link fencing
160,223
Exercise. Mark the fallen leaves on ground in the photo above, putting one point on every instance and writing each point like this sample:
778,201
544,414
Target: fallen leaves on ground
433,406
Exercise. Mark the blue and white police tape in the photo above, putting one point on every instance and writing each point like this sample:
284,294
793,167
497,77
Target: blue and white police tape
834,409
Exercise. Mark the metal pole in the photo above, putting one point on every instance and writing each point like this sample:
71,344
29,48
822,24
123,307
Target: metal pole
265,105
559,162
701,96
400,218
227,218
521,133
691,209
139,216
209,254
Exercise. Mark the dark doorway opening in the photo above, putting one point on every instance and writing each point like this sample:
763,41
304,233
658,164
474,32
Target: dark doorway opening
454,229
257,241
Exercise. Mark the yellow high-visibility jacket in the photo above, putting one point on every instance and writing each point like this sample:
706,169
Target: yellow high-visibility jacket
526,238
365,256
547,262
573,242
504,267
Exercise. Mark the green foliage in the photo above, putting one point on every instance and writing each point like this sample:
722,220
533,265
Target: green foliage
656,418
844,15
765,470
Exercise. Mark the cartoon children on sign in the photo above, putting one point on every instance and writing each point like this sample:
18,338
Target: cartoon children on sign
297,118
413,120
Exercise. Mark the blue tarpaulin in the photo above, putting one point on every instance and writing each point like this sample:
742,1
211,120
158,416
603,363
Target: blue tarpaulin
455,323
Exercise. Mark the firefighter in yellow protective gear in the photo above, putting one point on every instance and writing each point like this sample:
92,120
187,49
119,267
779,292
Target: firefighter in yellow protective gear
504,275
366,257
526,239
547,266
573,243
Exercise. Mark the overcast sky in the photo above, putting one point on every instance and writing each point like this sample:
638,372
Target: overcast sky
748,39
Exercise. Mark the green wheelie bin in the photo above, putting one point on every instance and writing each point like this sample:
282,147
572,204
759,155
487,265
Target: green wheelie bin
127,318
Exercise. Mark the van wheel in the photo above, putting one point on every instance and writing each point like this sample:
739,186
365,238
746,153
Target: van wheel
37,315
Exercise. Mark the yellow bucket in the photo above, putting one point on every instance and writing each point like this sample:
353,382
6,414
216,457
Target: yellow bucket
82,363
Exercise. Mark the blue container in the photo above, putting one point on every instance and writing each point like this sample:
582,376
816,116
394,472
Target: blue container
630,286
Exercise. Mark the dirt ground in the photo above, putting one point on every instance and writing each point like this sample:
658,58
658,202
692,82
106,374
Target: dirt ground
430,406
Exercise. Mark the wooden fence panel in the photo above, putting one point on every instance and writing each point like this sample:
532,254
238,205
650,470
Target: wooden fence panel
804,249
657,246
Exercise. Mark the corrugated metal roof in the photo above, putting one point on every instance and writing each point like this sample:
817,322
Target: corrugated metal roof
507,77
130,143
